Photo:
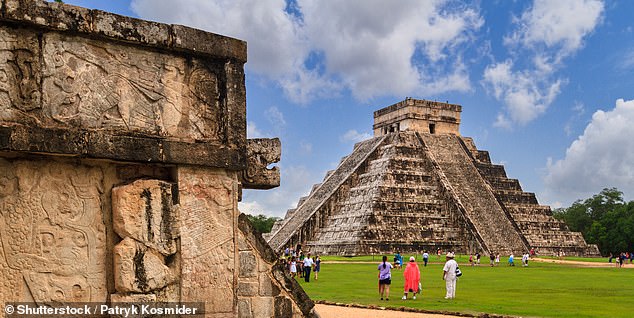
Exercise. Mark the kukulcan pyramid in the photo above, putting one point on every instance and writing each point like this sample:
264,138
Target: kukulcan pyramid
418,185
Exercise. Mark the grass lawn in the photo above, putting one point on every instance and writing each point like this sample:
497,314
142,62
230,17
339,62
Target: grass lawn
540,290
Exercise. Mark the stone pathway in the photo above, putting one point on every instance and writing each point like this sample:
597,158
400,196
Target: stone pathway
580,263
330,311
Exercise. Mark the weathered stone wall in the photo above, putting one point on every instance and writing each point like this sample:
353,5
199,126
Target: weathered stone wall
123,153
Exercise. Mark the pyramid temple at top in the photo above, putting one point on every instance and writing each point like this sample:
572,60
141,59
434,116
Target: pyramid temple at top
418,185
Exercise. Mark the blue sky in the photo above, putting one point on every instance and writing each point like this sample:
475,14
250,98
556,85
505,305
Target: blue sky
547,87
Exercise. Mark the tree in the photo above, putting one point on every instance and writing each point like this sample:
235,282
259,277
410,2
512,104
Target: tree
604,219
262,223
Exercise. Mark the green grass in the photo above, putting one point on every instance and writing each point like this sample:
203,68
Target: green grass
540,290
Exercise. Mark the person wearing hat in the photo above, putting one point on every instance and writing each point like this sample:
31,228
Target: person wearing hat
412,278
449,275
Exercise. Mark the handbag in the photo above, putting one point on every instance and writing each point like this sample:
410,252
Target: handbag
458,272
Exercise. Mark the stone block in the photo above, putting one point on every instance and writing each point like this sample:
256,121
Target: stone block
49,14
244,308
262,152
248,264
139,269
21,72
130,29
143,210
283,307
262,306
267,287
207,43
247,288
132,298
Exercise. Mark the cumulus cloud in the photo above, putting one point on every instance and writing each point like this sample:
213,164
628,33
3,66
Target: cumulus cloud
526,96
560,24
600,158
354,136
367,47
547,32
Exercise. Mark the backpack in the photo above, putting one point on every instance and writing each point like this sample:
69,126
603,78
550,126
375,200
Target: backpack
458,272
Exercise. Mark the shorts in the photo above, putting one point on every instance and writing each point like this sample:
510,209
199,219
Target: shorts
386,281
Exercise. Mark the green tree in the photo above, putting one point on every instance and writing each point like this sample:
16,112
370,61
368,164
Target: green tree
262,223
604,219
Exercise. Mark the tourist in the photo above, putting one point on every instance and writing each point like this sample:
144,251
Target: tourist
525,260
412,278
477,258
398,260
511,260
287,251
301,263
470,259
497,259
438,252
449,275
425,258
317,266
293,267
385,278
308,264
492,259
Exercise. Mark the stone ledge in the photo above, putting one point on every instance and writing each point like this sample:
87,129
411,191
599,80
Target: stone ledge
97,23
126,148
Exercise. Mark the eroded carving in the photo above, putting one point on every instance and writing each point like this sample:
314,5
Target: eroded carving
207,206
52,232
262,152
97,85
143,210
20,73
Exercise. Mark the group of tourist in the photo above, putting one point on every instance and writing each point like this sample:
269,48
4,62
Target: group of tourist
451,272
302,264
621,258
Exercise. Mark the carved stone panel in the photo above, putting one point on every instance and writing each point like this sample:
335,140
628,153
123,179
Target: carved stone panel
20,74
143,210
99,85
262,152
139,269
52,232
208,205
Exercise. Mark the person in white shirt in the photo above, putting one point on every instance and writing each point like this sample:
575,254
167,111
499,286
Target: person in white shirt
308,264
449,275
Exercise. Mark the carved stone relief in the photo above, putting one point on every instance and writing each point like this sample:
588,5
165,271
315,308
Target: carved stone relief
262,152
97,85
52,232
19,73
207,208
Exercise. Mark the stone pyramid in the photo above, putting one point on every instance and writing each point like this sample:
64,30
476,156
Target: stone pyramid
418,185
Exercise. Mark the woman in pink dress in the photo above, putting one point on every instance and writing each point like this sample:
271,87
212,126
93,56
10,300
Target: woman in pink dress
412,278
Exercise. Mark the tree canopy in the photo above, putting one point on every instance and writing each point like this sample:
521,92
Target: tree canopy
262,223
604,219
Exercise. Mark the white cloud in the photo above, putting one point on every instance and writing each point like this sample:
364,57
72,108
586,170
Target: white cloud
366,47
560,24
546,33
253,131
601,157
370,44
354,136
524,93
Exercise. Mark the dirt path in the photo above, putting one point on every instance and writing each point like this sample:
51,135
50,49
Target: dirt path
580,263
329,311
